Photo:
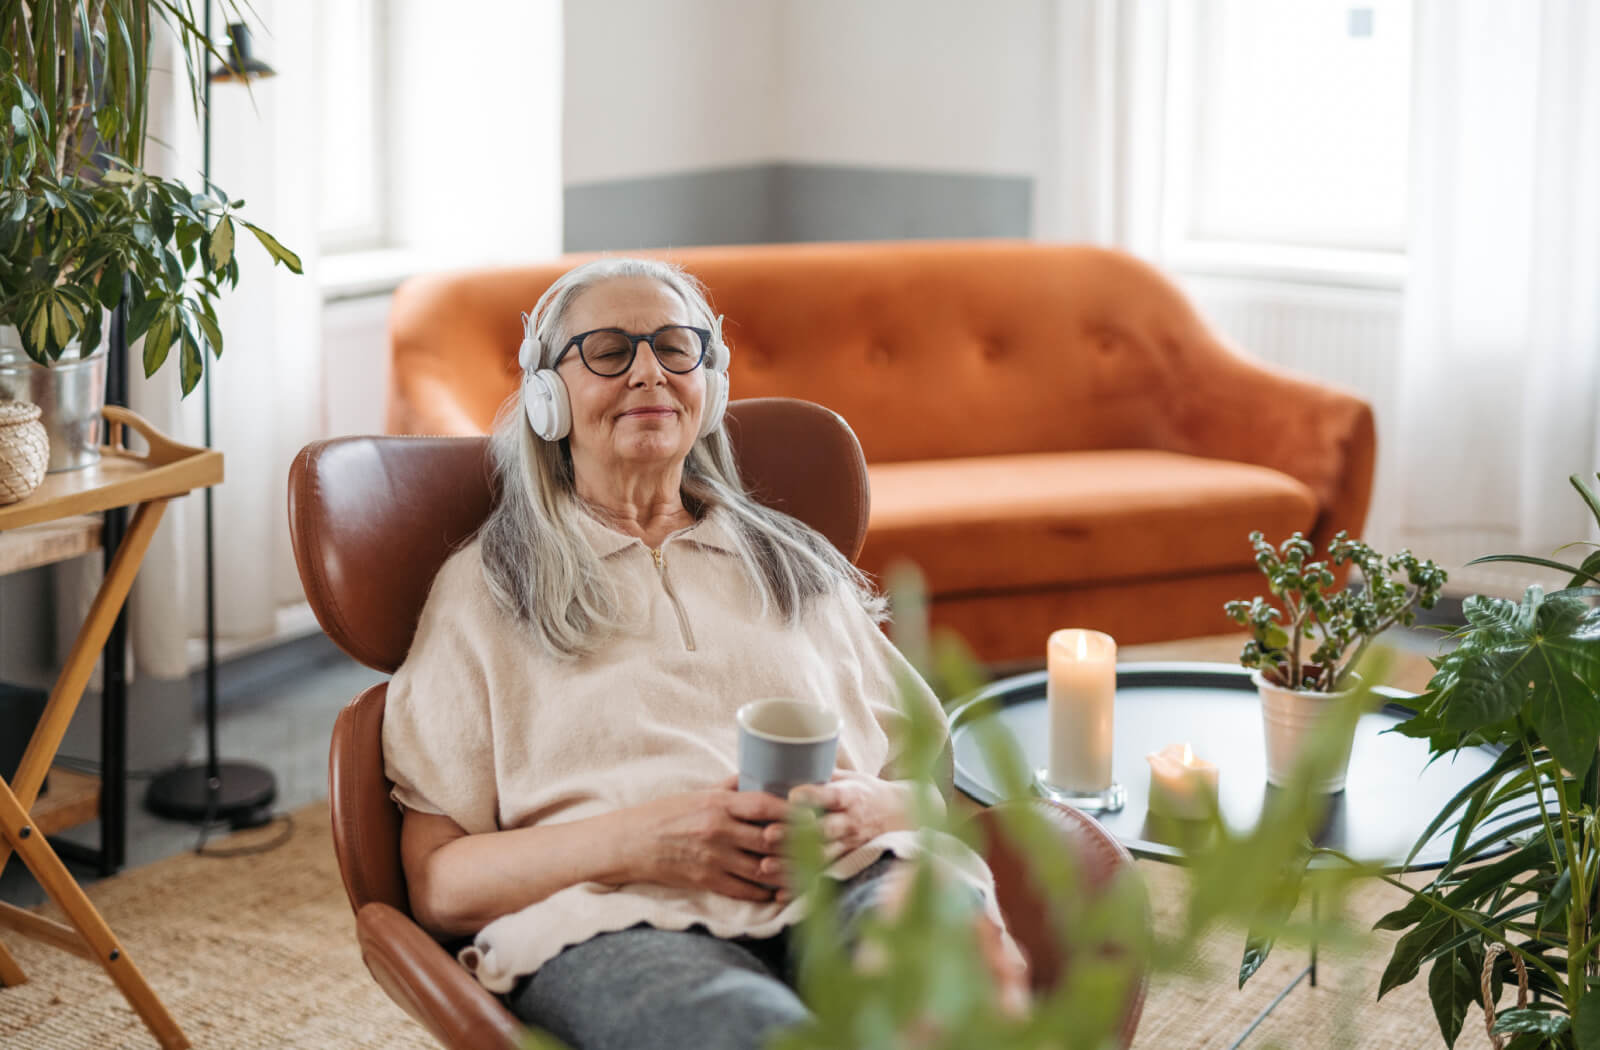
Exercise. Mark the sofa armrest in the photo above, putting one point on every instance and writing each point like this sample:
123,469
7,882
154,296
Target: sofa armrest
417,973
1231,407
1025,909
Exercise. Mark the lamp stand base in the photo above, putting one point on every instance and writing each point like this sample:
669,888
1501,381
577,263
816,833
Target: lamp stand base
242,796
1110,800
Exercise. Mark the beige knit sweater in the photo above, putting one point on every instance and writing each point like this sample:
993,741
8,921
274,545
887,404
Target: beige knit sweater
483,727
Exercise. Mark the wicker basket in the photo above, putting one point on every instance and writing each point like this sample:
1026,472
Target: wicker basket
24,450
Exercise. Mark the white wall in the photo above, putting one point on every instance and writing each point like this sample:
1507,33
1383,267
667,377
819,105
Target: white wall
657,88
933,85
937,85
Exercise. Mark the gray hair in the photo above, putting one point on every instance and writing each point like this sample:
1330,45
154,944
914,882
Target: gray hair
536,560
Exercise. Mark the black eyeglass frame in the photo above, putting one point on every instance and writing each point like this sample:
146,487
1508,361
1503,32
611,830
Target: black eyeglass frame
634,339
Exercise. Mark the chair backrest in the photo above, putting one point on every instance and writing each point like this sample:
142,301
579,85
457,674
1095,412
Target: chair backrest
373,518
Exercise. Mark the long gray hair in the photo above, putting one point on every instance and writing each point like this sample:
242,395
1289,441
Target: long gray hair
538,564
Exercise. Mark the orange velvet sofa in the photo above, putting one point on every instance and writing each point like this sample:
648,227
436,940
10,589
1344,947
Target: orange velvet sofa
1054,436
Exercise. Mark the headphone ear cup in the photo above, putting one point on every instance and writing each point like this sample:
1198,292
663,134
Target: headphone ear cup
544,399
716,403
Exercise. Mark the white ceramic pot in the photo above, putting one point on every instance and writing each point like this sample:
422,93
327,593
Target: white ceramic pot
1290,717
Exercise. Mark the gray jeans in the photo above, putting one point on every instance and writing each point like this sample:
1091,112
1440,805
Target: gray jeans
649,989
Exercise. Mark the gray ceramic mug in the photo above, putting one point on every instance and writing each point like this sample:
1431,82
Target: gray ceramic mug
785,743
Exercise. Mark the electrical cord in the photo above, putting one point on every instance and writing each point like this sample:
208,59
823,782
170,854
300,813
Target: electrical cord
276,841
210,821
209,824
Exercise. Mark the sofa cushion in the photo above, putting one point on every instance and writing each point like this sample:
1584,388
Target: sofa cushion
991,523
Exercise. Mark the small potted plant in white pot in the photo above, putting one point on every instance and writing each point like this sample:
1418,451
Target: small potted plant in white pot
1308,609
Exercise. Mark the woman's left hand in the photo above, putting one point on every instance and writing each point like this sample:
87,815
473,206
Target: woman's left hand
855,809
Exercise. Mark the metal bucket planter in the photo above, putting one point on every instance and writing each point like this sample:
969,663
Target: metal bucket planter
70,393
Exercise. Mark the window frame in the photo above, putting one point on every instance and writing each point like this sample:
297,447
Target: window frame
1175,139
376,232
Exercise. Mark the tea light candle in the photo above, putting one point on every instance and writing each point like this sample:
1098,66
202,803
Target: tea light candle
1181,785
1081,691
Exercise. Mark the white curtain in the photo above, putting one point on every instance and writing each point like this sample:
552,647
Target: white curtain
1500,376
266,386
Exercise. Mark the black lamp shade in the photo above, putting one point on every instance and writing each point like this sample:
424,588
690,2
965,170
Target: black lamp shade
242,62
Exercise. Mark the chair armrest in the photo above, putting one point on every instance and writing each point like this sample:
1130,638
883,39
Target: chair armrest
1025,909
1231,407
417,973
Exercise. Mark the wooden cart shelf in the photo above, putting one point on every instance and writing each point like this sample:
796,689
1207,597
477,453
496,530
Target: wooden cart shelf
120,478
56,521
48,542
73,799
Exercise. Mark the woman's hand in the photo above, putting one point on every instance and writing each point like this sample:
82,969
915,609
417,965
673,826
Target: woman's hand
712,840
856,808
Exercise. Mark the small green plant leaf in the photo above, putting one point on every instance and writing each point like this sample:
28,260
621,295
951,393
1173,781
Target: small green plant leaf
1493,613
1588,495
1453,989
1552,915
1527,559
1414,911
279,253
1256,949
220,248
1586,1022
1531,1019
1412,948
191,363
157,339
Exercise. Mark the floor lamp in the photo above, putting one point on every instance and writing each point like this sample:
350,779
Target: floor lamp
240,793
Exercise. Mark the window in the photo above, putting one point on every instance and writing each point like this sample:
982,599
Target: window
352,66
1287,133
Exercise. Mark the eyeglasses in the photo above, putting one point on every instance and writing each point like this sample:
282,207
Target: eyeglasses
609,352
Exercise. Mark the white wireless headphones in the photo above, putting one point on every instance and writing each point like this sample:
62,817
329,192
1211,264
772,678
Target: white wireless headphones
549,409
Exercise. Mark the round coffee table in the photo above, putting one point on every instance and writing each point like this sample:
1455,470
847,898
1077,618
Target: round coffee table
1391,792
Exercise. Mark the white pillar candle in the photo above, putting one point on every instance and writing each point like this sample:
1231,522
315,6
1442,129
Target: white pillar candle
1181,785
1081,691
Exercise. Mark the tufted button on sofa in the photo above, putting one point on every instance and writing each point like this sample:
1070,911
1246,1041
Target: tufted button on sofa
1054,436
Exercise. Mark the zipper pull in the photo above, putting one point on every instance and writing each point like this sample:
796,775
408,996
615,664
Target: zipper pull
656,554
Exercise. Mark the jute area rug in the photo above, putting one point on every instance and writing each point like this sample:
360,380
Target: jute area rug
246,952
258,952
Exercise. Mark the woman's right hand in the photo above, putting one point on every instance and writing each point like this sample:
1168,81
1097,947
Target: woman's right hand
710,840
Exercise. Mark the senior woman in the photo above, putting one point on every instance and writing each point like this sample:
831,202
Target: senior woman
561,736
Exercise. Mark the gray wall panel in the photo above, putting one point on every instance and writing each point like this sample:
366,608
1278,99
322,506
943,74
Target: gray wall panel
726,206
824,203
793,202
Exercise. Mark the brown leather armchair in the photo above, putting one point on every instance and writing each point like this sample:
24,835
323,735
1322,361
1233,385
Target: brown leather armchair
372,520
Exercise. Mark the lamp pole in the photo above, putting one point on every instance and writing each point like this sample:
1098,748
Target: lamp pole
240,793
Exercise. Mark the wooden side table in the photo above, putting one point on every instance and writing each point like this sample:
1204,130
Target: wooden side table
121,478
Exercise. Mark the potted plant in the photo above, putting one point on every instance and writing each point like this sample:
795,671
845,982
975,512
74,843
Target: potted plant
83,227
1307,607
1517,901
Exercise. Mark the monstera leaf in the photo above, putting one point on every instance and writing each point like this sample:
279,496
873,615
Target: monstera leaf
1538,661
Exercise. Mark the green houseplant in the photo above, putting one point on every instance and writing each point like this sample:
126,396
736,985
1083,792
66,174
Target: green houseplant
1307,608
1519,900
82,224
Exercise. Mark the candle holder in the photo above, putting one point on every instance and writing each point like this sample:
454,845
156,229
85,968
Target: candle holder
1081,695
1109,800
